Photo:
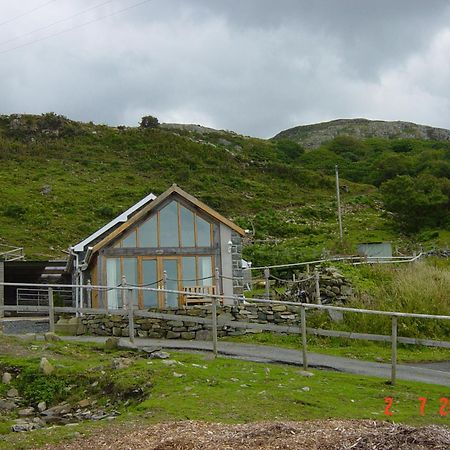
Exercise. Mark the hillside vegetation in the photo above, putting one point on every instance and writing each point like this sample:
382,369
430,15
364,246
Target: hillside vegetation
60,180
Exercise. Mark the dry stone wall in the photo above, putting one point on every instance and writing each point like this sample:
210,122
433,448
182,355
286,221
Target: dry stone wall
115,325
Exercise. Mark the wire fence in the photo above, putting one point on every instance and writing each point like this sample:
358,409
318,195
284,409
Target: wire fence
129,309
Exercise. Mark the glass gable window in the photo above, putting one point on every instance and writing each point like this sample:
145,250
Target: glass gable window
203,233
173,226
187,221
147,233
168,226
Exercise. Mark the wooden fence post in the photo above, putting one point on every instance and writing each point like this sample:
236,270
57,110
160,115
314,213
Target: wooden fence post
130,309
89,294
51,311
303,331
214,312
317,280
267,283
394,351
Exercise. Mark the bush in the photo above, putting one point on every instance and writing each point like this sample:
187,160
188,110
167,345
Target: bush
149,122
15,211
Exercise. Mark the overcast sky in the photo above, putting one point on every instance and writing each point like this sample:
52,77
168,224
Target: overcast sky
252,66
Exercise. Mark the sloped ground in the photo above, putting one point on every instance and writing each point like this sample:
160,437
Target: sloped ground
317,434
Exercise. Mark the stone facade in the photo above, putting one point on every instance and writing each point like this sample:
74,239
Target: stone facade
236,258
115,325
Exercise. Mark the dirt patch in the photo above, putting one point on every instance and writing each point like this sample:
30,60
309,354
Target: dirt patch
308,435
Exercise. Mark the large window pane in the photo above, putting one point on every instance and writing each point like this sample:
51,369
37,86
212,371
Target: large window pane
168,226
147,233
189,272
203,233
205,271
130,272
130,240
171,267
187,227
150,278
113,280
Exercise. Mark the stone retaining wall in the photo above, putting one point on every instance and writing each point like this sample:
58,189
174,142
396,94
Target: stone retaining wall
115,325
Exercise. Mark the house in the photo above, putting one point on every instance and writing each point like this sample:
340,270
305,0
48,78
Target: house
173,239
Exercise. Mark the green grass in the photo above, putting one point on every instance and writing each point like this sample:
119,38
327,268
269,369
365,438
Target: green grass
349,348
252,181
225,390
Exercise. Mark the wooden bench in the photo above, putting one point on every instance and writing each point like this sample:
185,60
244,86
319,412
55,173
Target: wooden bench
190,299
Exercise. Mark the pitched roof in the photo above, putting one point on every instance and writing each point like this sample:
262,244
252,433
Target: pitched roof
121,218
174,189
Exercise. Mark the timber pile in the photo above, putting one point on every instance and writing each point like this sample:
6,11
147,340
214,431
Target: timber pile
316,434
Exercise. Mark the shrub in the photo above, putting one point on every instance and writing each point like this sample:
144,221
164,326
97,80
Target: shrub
15,211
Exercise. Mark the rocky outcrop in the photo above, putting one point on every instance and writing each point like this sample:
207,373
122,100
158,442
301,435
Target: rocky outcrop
314,135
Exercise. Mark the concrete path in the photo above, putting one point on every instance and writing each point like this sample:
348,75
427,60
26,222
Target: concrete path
266,354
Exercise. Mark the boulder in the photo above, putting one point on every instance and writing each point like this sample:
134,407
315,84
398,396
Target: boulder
112,343
6,378
45,367
42,406
26,412
7,405
51,337
12,393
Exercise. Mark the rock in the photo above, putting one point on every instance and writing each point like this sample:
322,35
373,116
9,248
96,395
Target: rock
336,316
305,373
121,363
42,406
188,335
51,337
84,403
13,392
25,412
116,331
278,308
6,378
178,375
150,350
172,335
160,355
203,335
45,190
169,362
23,426
7,405
306,389
45,367
112,343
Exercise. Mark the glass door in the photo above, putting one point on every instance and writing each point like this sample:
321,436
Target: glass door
170,266
149,279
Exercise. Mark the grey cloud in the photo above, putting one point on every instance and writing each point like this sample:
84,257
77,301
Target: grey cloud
252,66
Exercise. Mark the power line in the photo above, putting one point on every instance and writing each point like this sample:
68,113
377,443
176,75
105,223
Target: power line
77,26
26,13
57,22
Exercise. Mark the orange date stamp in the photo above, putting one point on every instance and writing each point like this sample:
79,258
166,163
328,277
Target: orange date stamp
444,407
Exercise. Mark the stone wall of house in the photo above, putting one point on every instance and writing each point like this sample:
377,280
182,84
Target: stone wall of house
236,257
115,325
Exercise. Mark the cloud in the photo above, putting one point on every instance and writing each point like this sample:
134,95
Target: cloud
255,67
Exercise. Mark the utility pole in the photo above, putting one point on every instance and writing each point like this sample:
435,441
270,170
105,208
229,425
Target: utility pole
338,197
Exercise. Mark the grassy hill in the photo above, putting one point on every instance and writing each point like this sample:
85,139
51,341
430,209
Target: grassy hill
60,180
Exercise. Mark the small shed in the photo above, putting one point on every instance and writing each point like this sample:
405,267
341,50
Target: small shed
173,237
375,249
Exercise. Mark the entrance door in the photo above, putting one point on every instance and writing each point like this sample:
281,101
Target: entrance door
170,266
149,279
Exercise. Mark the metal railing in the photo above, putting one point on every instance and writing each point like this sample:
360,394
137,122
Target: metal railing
130,310
40,297
10,253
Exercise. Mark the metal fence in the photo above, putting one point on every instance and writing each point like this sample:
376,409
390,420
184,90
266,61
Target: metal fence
10,253
40,297
130,310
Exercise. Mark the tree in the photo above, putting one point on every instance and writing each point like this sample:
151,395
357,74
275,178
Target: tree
417,202
149,122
